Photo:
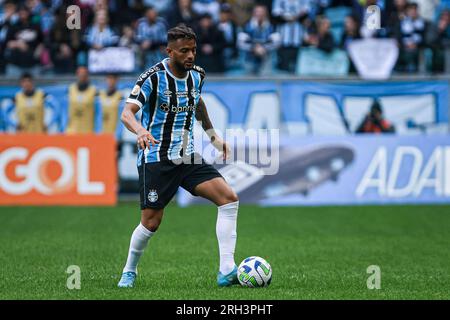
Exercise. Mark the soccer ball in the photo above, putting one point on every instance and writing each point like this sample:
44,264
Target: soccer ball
254,272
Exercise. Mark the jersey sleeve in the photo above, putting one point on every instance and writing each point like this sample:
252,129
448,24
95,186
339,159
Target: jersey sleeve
202,74
141,91
202,81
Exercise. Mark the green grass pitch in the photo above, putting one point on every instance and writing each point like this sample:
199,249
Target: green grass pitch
315,253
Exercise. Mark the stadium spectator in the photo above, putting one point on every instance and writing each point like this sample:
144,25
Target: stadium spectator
439,40
210,42
395,16
374,122
151,37
81,117
65,48
110,100
242,10
230,32
128,38
427,8
55,5
161,6
134,11
65,44
101,35
259,41
23,46
182,13
412,30
121,13
29,104
289,14
86,11
8,18
101,5
212,7
351,33
319,35
46,19
34,6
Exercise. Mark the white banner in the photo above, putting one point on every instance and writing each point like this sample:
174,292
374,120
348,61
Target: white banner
374,58
111,60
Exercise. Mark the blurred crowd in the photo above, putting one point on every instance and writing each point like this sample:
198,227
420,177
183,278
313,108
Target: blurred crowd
249,36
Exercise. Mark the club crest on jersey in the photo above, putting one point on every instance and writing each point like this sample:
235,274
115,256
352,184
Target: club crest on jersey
135,90
194,93
152,196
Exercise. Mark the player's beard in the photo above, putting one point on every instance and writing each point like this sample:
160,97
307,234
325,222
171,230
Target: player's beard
183,67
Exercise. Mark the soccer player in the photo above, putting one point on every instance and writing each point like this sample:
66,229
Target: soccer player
169,96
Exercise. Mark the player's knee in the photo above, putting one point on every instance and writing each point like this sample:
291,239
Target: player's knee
231,197
151,224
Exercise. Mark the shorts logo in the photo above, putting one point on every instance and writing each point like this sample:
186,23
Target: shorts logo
152,196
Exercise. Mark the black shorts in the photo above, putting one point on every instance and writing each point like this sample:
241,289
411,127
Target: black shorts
159,181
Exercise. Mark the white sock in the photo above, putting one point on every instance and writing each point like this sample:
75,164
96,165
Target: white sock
226,235
139,240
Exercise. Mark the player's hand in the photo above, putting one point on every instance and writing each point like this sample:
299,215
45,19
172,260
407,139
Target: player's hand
145,139
222,146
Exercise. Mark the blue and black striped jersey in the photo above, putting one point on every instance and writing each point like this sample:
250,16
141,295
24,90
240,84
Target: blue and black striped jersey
168,108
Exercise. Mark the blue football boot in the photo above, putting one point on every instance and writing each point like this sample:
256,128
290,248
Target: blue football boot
127,280
229,279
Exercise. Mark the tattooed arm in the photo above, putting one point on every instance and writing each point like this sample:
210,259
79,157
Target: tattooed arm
201,115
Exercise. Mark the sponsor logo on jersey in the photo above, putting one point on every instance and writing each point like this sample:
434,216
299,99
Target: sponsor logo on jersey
175,109
148,72
164,107
167,93
199,69
182,94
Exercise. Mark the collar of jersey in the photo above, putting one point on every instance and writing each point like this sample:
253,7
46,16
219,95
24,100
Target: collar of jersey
171,74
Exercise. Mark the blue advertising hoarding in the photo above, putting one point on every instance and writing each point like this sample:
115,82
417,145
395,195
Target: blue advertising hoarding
345,170
296,107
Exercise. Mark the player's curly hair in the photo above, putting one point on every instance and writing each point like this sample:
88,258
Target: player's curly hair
181,31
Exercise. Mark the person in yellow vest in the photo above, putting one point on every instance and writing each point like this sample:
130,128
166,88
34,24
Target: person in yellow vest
29,104
110,103
82,96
